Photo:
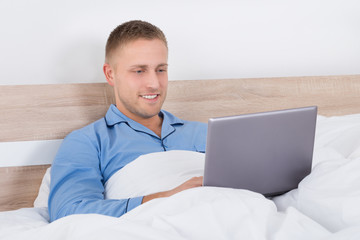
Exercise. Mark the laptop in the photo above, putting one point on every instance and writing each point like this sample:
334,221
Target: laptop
267,152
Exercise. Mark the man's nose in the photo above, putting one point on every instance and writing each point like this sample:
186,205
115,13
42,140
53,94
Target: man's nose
152,81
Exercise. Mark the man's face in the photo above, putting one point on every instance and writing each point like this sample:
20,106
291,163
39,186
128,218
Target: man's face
138,72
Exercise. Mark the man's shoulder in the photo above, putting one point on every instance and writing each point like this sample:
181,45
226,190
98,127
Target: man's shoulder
195,124
175,120
91,130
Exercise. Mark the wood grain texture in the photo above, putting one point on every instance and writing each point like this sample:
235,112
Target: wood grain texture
42,112
20,186
199,100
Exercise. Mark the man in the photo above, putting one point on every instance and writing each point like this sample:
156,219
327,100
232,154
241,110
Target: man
136,66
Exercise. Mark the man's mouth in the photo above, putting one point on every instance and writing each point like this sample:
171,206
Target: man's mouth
150,96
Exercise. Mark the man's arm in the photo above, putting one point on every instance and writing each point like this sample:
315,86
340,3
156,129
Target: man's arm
191,183
76,185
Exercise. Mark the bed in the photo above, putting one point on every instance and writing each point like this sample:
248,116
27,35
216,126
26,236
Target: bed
324,206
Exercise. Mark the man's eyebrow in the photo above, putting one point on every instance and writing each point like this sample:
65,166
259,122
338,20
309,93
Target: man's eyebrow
139,66
146,66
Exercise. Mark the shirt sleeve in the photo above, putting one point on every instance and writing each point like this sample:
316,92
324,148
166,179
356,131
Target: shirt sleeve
76,185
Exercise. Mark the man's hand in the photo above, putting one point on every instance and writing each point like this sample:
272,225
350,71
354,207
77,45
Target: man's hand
191,183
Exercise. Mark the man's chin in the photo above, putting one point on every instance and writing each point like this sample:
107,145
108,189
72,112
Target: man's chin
149,114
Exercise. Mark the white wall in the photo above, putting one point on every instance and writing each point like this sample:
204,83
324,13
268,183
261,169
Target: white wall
63,41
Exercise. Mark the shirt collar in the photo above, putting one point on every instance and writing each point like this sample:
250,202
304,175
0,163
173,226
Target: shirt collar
114,116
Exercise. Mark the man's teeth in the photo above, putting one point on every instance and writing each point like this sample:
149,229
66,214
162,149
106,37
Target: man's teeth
149,96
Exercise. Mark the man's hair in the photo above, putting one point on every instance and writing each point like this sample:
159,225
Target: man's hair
131,31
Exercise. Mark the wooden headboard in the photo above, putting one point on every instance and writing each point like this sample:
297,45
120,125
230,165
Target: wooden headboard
46,112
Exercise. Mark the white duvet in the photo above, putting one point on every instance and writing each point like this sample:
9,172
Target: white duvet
325,205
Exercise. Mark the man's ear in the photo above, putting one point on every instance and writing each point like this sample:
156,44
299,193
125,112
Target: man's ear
109,74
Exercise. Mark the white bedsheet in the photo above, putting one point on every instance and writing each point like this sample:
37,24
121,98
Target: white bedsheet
325,206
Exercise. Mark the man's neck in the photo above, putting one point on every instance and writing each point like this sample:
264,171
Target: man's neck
154,124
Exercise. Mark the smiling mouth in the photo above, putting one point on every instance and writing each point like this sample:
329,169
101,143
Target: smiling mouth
150,96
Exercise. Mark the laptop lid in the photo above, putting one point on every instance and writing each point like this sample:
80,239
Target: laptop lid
268,152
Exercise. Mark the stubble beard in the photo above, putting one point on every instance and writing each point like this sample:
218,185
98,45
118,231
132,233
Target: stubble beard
137,111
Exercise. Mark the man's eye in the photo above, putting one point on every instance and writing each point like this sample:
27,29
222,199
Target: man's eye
139,71
161,70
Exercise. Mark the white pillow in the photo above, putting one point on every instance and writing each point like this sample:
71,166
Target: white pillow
150,173
43,195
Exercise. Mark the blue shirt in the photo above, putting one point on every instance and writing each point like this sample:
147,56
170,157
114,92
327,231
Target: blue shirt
88,157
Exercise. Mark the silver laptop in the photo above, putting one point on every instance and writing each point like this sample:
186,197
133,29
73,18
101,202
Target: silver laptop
268,152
